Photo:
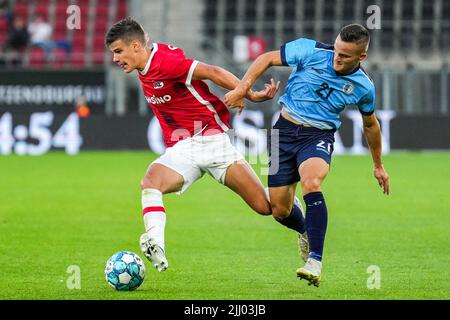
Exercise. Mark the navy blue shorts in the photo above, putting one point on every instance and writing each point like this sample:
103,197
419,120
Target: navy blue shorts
292,144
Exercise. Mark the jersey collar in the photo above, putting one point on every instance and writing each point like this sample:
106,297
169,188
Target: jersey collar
147,66
340,74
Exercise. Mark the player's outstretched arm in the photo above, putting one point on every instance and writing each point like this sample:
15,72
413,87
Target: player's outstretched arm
257,68
227,80
372,132
218,75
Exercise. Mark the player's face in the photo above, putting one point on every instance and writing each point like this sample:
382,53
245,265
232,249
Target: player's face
124,55
347,55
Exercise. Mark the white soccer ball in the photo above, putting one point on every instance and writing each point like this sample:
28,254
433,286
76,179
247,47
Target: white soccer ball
125,271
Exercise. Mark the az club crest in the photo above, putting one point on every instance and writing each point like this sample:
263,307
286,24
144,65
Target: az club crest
158,84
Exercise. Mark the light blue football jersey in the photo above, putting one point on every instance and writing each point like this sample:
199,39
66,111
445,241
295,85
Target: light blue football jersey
315,93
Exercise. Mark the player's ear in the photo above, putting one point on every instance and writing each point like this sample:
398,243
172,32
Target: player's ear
136,45
363,56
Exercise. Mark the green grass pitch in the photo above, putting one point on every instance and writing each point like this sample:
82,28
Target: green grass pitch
58,211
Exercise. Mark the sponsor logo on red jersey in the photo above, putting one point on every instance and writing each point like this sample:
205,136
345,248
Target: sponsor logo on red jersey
178,101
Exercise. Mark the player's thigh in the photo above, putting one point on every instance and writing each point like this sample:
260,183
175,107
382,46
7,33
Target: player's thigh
313,172
282,199
241,178
284,145
175,170
163,178
314,158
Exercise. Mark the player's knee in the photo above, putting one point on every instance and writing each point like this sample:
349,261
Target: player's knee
280,212
150,183
263,208
310,185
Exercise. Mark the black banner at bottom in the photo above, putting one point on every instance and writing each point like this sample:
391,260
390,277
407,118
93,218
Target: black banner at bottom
232,309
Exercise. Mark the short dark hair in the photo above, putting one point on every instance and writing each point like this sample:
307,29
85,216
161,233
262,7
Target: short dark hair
354,33
126,30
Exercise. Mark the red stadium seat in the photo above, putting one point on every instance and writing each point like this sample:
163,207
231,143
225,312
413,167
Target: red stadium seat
61,8
78,58
83,3
101,25
79,43
99,43
3,25
3,38
59,57
60,24
98,57
37,57
21,9
122,9
101,11
42,10
104,3
59,34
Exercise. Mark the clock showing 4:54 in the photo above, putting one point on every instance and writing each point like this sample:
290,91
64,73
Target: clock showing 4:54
37,138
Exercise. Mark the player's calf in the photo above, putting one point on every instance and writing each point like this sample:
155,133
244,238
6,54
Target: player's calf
293,218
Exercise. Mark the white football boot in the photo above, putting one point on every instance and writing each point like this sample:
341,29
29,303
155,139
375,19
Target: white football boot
153,252
303,244
310,271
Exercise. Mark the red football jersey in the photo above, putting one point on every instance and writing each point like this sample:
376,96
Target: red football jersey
184,107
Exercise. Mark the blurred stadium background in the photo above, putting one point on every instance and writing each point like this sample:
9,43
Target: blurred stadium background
67,96
408,59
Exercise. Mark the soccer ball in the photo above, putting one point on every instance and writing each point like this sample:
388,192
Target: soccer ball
125,271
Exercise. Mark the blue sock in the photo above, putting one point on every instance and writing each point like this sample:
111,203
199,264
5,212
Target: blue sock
316,223
295,220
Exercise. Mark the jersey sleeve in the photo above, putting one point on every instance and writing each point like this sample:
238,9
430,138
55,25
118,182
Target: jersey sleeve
297,52
367,103
176,66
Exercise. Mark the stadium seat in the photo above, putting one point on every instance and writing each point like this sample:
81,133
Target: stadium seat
3,25
3,38
61,8
121,9
42,9
101,25
289,14
37,57
83,3
101,12
79,41
99,43
60,24
328,11
407,37
59,34
77,59
444,35
348,10
59,57
98,57
21,8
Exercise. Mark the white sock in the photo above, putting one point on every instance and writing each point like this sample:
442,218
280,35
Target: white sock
154,215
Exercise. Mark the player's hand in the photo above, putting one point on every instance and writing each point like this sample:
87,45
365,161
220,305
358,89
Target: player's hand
382,178
240,106
235,99
268,93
